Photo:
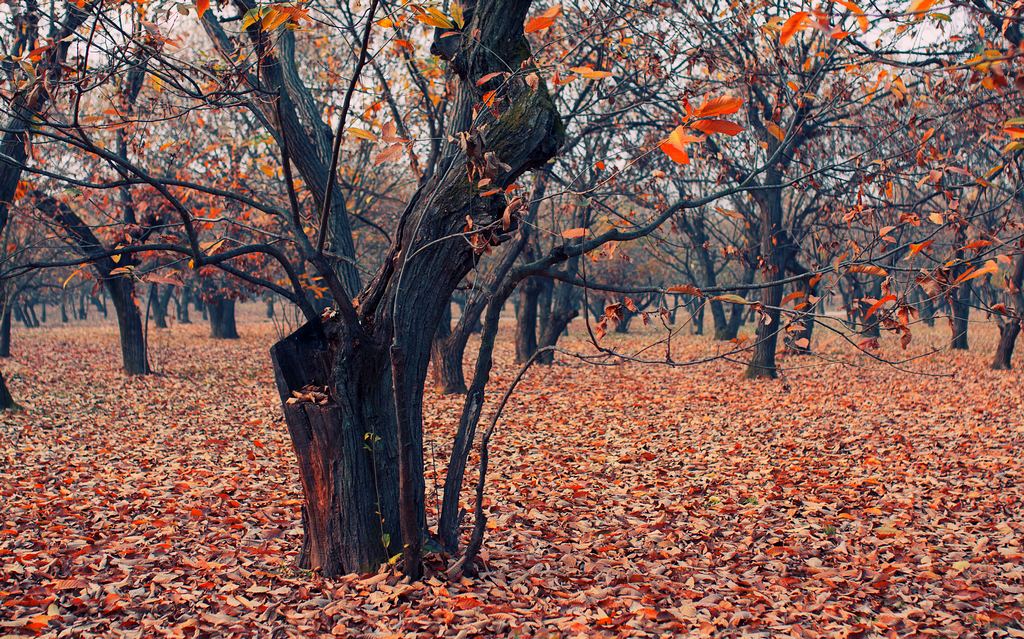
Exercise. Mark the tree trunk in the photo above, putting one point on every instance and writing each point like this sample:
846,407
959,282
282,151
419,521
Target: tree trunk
928,310
222,318
960,308
545,302
446,353
129,324
870,326
1008,333
373,360
182,307
799,341
28,315
159,298
564,309
1010,328
622,326
762,362
6,400
526,320
5,332
346,461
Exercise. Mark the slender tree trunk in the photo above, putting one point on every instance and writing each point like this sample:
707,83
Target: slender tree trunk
698,319
23,105
1008,333
446,355
565,307
6,400
960,309
159,298
5,332
762,362
545,304
1010,328
28,315
870,326
526,320
222,318
799,341
928,310
182,308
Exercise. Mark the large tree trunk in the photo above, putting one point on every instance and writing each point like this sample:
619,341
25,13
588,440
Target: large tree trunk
346,451
373,361
449,350
222,318
129,325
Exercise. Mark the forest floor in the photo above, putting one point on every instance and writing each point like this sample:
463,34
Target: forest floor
850,498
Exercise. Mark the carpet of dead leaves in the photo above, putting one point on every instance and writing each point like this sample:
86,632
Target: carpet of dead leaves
848,499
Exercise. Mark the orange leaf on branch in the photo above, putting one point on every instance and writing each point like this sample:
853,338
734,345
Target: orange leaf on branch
544,20
799,21
717,126
675,145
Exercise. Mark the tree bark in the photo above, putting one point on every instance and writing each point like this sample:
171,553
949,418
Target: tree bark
159,298
526,320
1009,329
762,361
1008,333
373,361
299,119
960,309
182,306
799,341
565,307
6,400
343,462
222,318
446,355
121,289
129,323
5,332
